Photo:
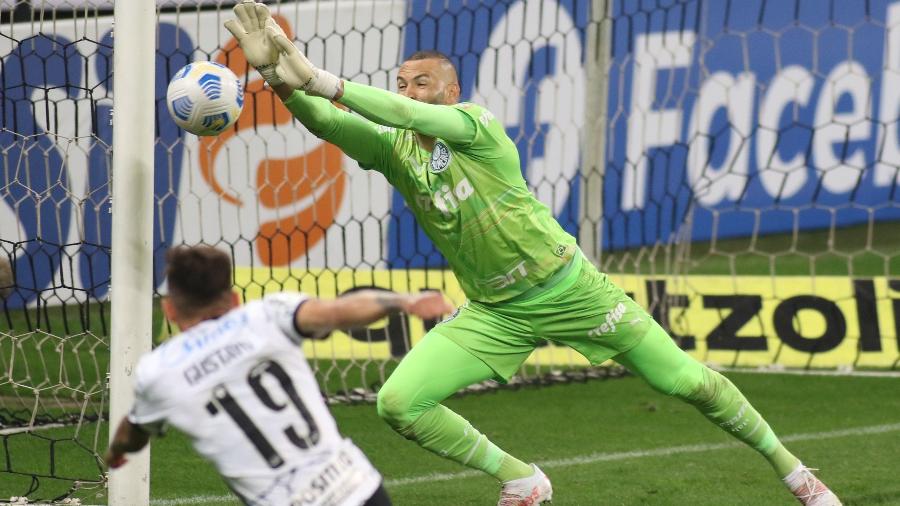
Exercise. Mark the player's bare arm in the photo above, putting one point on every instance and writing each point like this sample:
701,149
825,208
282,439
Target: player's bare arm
317,317
129,438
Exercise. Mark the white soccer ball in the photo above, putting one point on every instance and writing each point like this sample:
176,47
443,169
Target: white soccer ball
205,98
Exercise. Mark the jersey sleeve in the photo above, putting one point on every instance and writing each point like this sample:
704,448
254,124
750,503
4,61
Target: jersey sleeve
150,410
281,309
490,140
393,110
366,142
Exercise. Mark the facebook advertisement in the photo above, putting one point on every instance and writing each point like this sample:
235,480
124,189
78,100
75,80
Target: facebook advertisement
751,117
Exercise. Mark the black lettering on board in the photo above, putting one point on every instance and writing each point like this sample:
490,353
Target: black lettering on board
835,324
743,309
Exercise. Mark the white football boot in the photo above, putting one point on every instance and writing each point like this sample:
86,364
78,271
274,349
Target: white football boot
808,489
529,491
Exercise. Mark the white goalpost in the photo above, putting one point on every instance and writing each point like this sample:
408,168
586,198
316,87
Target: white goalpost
596,64
132,227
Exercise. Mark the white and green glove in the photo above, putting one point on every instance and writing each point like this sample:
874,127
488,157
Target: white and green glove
295,70
250,30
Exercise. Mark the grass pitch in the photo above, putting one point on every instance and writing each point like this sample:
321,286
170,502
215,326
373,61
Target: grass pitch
615,442
604,442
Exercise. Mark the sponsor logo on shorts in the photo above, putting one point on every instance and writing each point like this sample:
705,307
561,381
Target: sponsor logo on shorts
612,318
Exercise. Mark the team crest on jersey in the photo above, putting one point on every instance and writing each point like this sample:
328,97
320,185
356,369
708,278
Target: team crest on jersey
440,158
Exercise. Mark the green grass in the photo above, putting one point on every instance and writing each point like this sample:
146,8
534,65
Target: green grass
625,415
863,250
562,423
537,424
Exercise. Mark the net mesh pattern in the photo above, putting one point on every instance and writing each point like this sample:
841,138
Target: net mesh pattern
747,166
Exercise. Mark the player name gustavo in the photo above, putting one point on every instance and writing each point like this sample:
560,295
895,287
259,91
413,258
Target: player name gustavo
215,360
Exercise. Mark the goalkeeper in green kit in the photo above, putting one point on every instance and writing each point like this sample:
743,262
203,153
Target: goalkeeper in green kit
524,277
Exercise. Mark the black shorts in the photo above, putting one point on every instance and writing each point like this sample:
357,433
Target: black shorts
379,498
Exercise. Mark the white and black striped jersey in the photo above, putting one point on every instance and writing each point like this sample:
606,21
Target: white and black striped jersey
240,387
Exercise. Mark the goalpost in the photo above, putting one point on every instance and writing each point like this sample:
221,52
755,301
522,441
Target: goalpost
733,165
132,228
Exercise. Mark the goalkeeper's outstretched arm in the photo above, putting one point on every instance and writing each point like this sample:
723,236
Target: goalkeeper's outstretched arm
393,110
358,138
377,105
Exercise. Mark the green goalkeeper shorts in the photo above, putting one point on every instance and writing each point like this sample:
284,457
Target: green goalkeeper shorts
578,307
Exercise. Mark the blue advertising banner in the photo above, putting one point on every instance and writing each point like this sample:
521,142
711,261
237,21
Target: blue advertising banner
37,180
754,116
725,119
268,190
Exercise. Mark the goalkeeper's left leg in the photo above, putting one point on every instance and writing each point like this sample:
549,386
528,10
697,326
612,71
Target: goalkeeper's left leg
670,370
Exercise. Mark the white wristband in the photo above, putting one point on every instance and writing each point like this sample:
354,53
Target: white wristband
323,84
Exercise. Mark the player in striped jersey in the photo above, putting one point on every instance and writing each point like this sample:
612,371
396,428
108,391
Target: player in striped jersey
235,381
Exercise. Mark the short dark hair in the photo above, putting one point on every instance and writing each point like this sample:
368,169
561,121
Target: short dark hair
199,276
431,54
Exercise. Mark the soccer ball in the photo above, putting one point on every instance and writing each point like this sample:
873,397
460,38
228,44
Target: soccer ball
205,98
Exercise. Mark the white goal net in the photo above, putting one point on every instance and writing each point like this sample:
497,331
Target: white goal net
751,177
734,165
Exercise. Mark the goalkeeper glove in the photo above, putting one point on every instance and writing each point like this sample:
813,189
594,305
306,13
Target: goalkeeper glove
296,71
250,30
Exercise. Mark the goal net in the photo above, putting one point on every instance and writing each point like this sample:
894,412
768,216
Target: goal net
751,178
733,165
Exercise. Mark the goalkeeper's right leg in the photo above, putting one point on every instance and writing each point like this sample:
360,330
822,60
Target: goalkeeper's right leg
409,402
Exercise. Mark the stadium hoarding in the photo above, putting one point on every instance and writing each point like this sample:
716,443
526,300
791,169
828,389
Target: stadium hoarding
248,190
270,214
751,118
272,191
791,321
740,181
826,322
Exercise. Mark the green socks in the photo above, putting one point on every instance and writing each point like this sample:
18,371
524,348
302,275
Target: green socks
722,403
782,460
512,468
670,370
449,435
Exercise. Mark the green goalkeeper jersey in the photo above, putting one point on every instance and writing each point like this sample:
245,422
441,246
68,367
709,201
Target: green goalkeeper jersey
467,193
